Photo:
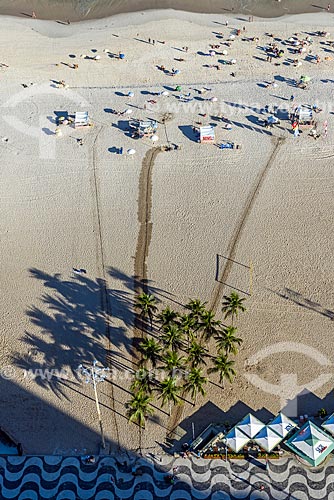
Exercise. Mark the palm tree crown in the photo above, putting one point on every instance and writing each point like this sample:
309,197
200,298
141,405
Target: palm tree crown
172,337
224,367
196,354
143,382
195,383
209,325
139,408
150,350
172,361
196,307
167,317
146,303
232,305
227,340
169,392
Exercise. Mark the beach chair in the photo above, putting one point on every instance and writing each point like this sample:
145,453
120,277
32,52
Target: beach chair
81,119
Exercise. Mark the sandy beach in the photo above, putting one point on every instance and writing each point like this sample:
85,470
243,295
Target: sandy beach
73,202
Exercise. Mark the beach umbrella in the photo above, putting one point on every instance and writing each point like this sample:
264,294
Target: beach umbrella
97,58
154,138
165,93
224,52
131,94
128,111
282,425
131,151
212,53
213,99
177,72
106,51
250,425
236,439
267,438
233,61
178,88
311,443
305,79
231,37
121,56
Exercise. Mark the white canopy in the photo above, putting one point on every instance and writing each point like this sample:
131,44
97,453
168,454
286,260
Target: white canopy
311,443
329,424
236,439
282,425
250,425
267,438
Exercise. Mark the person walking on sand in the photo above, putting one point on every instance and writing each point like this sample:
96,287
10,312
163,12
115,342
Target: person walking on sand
328,7
33,15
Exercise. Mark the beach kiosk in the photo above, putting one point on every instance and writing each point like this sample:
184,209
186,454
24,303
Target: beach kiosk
304,116
144,128
207,135
311,444
267,439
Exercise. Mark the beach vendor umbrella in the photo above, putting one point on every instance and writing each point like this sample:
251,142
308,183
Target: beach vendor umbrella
165,93
154,138
250,425
131,151
224,52
231,37
282,425
233,61
236,439
121,56
212,53
329,424
213,99
131,94
305,78
311,443
128,111
178,88
267,438
97,58
177,72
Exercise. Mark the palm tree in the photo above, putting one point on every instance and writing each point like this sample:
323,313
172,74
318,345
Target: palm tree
146,303
143,382
196,307
196,354
172,361
150,350
169,392
172,337
224,367
139,408
167,317
195,383
232,305
188,324
209,325
227,340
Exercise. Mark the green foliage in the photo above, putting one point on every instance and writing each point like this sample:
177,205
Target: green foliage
139,408
232,305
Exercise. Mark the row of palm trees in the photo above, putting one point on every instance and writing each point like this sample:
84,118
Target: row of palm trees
175,354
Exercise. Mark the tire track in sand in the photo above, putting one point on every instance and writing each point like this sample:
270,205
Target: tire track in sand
143,243
100,265
232,247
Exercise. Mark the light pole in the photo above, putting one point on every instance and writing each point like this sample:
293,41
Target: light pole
225,443
94,375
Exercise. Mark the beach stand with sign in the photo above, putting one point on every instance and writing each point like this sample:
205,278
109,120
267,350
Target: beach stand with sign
207,135
311,444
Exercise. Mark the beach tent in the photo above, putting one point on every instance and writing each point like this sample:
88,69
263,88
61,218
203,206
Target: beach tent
236,439
328,424
250,425
282,425
304,115
267,438
207,134
311,443
81,119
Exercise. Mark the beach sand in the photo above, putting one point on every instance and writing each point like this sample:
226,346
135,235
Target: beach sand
66,205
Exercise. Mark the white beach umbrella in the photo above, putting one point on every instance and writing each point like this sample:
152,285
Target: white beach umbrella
128,111
233,61
231,37
212,53
250,425
165,93
131,94
224,52
131,151
282,425
214,99
154,138
97,58
236,439
267,438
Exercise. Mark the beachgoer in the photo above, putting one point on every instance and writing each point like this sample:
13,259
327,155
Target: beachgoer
226,23
149,40
328,7
33,15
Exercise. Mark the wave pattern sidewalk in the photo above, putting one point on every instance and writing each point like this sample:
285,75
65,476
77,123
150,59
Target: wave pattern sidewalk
69,478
